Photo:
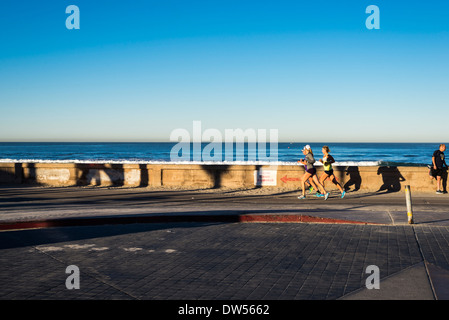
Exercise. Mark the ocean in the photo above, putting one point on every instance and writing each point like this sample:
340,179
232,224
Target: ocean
355,154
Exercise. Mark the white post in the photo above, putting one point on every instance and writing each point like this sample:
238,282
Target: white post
408,198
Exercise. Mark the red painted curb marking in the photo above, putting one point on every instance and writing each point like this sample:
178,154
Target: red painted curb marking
247,218
294,218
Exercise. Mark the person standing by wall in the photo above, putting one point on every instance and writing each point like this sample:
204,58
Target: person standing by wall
440,167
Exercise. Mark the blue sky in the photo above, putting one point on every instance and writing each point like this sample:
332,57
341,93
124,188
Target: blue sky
137,70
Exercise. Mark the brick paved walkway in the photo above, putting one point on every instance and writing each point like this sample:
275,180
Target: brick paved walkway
211,261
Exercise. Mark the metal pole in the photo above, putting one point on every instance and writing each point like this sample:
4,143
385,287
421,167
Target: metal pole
408,198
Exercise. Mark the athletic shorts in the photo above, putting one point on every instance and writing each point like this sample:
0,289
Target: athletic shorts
330,172
312,171
439,172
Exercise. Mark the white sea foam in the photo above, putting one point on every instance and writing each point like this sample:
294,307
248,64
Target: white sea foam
264,163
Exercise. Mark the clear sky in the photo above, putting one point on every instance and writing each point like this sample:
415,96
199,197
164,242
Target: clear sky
136,70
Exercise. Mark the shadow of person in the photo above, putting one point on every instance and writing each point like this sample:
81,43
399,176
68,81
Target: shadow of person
12,175
100,174
216,173
354,179
144,176
391,178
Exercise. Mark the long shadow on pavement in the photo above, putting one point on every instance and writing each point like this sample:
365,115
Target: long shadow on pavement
35,237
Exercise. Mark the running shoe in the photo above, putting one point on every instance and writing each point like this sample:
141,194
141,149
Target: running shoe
326,196
343,194
301,197
319,195
439,192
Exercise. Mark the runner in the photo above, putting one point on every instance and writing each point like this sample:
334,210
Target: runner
310,173
309,184
328,170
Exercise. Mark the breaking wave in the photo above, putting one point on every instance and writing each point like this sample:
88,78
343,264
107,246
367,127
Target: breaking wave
127,161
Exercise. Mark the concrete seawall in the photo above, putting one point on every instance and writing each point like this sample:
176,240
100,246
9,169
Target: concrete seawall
210,176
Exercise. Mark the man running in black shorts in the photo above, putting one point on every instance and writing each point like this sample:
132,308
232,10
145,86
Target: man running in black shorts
439,166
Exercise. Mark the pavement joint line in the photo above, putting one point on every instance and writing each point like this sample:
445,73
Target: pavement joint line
425,264
86,273
362,288
391,217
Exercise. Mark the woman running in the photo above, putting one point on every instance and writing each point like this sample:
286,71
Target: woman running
328,170
308,162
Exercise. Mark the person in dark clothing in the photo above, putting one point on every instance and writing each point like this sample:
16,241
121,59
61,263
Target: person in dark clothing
439,166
